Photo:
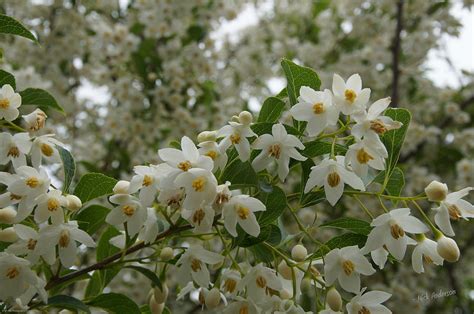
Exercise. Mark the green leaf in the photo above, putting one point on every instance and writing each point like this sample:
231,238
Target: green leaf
115,303
41,98
9,25
94,185
271,110
240,174
245,240
298,76
67,302
275,202
395,183
266,128
350,224
261,251
90,219
317,148
7,78
393,139
347,239
312,198
69,167
149,274
94,286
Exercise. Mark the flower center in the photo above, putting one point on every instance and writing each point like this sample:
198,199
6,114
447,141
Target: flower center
363,310
348,267
31,244
147,180
198,184
195,265
212,154
198,216
378,126
53,204
47,150
32,182
12,272
14,197
243,212
13,152
454,212
427,259
229,285
244,309
318,108
275,150
184,165
261,282
128,210
350,95
333,179
396,231
4,103
64,238
363,157
235,138
222,198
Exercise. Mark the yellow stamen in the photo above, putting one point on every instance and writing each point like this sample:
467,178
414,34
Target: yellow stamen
185,165
230,285
198,216
454,212
32,182
363,157
243,212
13,152
147,180
244,309
53,204
427,259
364,310
212,154
348,267
318,108
275,150
198,184
378,127
128,210
31,244
396,231
12,272
4,103
235,138
350,95
333,179
47,150
64,238
195,265
261,282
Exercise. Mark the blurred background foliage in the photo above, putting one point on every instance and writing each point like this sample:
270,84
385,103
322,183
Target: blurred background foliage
135,75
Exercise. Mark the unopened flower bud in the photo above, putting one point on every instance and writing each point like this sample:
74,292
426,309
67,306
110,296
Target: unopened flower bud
306,285
213,298
245,117
166,254
121,187
161,295
155,307
285,294
8,235
35,120
73,202
333,299
235,119
299,253
7,215
448,249
285,271
207,136
436,191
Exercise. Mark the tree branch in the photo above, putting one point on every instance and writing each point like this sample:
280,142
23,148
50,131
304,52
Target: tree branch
396,50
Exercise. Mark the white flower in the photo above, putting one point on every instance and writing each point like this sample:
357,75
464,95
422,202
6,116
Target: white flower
349,96
279,147
44,146
50,205
186,158
390,231
453,207
217,152
346,265
316,108
130,210
236,134
14,148
223,196
16,278
369,302
26,245
332,174
35,120
9,103
241,305
230,280
240,209
259,281
147,180
150,230
65,236
200,186
371,124
364,154
201,218
192,265
425,249
379,256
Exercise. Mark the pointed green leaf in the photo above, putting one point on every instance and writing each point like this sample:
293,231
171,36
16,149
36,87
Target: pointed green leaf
271,110
9,25
90,219
7,78
240,174
394,139
69,167
298,76
350,224
94,185
115,303
67,302
275,203
41,98
147,273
